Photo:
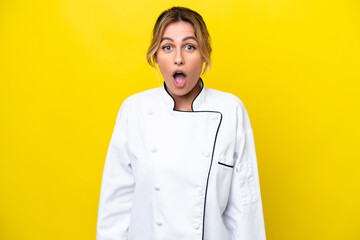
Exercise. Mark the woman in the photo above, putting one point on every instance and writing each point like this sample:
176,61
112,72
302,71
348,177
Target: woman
181,162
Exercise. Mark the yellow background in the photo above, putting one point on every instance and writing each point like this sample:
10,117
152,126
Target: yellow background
66,66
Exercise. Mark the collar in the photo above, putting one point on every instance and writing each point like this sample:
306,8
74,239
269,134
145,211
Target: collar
198,100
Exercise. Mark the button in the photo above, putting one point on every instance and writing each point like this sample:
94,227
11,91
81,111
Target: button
206,154
196,226
154,149
199,190
157,188
159,223
150,113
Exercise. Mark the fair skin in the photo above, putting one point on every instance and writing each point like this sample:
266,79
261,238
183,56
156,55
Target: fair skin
179,52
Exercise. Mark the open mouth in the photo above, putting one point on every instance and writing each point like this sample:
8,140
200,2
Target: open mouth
179,79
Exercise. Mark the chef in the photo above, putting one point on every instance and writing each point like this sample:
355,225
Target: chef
181,164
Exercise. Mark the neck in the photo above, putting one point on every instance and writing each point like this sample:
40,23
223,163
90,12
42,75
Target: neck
184,103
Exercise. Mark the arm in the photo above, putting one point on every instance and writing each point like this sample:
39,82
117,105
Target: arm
244,216
117,186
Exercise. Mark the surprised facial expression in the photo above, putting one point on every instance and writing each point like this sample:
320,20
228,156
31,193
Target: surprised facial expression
179,59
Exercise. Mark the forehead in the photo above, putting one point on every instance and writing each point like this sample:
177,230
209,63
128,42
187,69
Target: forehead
179,29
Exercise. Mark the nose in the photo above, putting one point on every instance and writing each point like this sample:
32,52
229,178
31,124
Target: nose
179,60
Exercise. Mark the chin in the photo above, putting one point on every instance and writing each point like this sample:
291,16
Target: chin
179,92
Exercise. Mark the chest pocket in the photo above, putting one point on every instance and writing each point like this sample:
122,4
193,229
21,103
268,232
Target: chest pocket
224,172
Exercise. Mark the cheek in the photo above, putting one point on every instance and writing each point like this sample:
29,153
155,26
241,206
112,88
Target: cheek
164,70
197,64
162,65
162,61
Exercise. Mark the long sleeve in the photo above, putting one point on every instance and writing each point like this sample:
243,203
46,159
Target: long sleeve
117,185
243,217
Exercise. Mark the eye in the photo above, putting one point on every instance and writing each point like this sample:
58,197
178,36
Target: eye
166,48
190,47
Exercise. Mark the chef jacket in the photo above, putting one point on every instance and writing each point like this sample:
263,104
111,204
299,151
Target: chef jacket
181,175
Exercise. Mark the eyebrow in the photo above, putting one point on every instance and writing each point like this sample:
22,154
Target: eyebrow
184,39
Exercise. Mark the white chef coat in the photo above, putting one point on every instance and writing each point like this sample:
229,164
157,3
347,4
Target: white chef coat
177,175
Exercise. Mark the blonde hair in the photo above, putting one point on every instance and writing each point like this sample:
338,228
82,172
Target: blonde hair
177,14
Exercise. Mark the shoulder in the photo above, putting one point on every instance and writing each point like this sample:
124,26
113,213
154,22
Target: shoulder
139,102
223,98
231,107
143,98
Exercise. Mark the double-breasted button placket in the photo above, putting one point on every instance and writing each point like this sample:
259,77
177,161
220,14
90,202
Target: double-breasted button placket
206,154
196,226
